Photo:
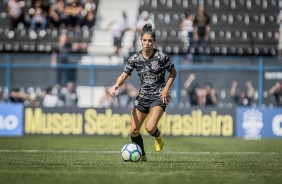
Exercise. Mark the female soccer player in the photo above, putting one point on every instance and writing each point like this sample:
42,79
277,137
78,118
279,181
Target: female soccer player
151,65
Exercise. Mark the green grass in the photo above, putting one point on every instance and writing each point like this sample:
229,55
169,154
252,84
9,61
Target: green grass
96,159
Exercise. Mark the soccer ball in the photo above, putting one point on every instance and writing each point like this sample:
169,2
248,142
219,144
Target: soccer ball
131,152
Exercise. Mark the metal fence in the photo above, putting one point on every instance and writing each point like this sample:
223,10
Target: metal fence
221,71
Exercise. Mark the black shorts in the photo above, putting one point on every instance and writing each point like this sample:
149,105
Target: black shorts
144,105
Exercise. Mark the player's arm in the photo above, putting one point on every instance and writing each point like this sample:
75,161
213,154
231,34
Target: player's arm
119,82
165,92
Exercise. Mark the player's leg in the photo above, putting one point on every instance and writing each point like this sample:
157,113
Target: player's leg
137,119
153,118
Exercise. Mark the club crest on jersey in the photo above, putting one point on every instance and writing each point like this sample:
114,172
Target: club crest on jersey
155,65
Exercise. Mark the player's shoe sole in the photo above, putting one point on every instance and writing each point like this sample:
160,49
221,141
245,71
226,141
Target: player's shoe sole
143,158
159,142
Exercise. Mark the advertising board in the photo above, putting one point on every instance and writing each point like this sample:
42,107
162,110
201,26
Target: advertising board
253,123
11,119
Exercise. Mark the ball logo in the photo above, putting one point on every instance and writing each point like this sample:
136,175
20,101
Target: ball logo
10,122
252,124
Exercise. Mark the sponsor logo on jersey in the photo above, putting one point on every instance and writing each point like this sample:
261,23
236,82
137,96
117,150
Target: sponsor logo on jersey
149,78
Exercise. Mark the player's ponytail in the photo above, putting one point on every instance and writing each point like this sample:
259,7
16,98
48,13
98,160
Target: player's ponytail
148,29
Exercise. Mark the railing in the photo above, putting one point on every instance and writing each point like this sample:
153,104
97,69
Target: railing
259,67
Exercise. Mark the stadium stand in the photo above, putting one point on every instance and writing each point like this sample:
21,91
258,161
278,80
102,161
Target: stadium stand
244,27
102,43
24,40
238,27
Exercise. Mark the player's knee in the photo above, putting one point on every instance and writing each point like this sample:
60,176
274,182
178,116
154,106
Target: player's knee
149,129
134,131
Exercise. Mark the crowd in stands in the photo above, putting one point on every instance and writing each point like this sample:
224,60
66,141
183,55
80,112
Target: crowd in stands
51,96
206,95
41,14
124,97
194,28
67,96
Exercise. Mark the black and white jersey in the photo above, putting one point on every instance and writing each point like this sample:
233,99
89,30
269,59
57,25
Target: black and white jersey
151,72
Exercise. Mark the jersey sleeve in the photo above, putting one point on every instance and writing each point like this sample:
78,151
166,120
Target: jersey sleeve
129,66
168,63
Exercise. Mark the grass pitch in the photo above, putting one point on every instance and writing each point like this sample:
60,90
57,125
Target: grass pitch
96,159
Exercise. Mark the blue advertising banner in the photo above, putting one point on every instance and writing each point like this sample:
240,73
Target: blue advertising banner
253,123
11,119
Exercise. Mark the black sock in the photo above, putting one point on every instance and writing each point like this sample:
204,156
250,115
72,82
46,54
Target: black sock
139,141
156,133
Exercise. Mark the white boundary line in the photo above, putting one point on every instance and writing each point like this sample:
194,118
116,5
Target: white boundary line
117,152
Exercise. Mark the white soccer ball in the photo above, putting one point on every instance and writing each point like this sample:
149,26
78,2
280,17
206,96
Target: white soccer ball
131,152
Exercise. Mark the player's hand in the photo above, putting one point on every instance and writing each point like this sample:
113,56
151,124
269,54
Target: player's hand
165,96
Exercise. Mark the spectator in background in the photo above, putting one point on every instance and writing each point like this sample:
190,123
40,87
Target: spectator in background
88,20
276,92
144,18
121,25
201,29
61,56
57,14
208,95
39,16
15,12
107,100
245,97
194,92
2,95
89,5
126,94
49,99
33,100
16,96
88,12
73,12
187,31
69,95
279,47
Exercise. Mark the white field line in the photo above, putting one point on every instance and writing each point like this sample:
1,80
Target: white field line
116,152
